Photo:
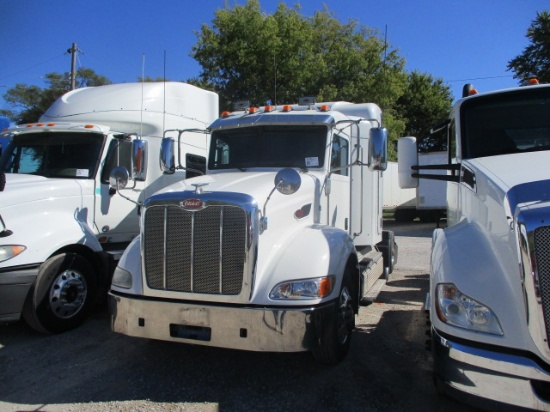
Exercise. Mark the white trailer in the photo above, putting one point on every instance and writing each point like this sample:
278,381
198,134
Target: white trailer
427,202
63,228
275,248
489,294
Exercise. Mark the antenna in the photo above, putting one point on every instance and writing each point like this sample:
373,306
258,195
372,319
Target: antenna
164,95
142,85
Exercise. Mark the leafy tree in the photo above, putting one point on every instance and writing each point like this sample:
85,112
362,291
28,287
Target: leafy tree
534,61
30,102
425,102
278,58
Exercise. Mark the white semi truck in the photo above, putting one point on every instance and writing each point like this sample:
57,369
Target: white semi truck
276,247
62,228
489,294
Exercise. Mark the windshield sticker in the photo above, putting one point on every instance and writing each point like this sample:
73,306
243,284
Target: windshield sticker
82,172
312,162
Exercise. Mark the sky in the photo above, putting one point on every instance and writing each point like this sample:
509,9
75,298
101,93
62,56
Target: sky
459,41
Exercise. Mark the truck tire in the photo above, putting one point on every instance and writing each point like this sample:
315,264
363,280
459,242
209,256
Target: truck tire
337,329
62,295
404,215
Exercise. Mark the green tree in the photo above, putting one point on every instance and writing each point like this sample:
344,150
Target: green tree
534,61
30,102
425,102
280,57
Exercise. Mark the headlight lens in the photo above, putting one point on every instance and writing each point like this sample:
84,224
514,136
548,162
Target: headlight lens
314,288
9,251
455,308
122,278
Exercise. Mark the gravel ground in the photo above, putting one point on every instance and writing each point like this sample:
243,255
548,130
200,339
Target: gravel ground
93,369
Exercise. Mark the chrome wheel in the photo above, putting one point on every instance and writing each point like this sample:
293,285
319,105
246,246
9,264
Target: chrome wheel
68,294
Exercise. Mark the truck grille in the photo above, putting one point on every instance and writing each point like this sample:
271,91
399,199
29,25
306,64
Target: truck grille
542,256
201,251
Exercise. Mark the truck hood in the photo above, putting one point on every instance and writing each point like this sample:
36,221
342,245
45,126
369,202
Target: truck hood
256,184
523,177
22,188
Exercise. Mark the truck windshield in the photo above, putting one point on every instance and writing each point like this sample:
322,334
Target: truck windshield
512,122
268,146
54,154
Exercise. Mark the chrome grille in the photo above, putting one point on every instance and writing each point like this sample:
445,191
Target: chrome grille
542,256
201,251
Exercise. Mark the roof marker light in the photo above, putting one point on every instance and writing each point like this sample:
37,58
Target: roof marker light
30,125
253,110
287,108
324,108
89,126
533,81
269,108
50,124
226,114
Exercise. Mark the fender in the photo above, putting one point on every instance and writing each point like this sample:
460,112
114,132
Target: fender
313,251
466,255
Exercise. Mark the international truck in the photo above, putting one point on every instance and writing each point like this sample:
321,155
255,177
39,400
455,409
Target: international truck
489,292
62,228
276,247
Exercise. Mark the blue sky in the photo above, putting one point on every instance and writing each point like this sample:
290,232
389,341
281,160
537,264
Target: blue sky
458,41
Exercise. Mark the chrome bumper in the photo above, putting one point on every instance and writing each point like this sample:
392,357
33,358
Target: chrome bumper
494,376
282,329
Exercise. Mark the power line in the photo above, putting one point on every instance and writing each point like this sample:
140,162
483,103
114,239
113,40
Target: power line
27,68
480,78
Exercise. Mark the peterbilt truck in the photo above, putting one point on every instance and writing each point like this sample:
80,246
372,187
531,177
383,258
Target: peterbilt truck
489,293
276,247
62,228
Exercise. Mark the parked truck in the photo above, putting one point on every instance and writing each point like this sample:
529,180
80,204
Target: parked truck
62,228
276,247
427,202
489,293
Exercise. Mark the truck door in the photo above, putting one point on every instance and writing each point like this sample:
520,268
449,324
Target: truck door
116,218
339,197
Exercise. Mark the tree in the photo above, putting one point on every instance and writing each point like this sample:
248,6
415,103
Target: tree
425,102
534,61
30,102
278,58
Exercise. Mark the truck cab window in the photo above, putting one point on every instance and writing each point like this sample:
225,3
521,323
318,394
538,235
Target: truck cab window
507,123
339,155
119,154
54,154
268,146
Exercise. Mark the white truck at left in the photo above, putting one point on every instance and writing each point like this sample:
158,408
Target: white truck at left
61,225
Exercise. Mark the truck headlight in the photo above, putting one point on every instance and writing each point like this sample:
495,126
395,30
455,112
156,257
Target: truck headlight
122,278
455,308
9,251
314,288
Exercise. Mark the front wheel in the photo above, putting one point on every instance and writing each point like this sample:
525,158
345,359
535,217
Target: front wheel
337,329
64,291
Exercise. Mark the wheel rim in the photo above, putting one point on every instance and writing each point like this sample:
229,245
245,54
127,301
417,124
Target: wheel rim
68,294
345,316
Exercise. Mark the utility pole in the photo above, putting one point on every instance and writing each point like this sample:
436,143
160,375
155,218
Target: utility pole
73,50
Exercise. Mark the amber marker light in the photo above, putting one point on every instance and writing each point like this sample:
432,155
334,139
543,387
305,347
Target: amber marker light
325,286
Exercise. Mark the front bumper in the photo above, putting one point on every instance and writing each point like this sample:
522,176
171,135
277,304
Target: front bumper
486,374
282,329
15,283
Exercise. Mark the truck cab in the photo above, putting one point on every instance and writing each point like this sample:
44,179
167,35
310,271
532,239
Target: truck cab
64,227
488,298
276,247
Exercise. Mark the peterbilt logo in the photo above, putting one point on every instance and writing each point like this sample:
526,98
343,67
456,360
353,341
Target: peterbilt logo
192,204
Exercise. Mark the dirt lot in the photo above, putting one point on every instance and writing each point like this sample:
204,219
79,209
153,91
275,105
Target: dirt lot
93,369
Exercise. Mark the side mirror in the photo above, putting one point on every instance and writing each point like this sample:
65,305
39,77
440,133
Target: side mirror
139,160
287,181
407,156
119,178
378,149
167,158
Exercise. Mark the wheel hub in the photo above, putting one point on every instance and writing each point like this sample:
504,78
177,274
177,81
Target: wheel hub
68,294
